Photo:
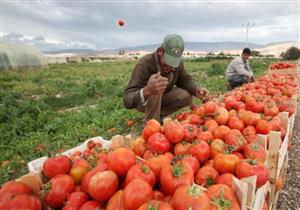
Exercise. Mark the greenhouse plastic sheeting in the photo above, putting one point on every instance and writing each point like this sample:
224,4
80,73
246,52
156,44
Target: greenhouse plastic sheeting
14,56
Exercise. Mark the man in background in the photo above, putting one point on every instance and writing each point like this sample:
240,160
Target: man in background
238,71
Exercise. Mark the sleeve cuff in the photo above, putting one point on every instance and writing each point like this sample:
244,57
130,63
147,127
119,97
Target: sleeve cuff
144,103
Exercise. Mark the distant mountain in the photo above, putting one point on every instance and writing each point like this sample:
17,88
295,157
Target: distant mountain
192,46
76,51
201,46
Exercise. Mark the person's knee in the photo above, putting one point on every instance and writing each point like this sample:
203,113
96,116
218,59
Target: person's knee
185,98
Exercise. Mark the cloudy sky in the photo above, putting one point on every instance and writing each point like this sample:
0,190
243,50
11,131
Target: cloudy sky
59,24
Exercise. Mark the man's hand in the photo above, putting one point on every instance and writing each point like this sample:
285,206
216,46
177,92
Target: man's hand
251,79
202,93
156,85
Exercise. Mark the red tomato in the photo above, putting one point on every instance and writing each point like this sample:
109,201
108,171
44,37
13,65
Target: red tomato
226,163
156,205
254,106
192,161
76,200
56,165
116,201
102,157
174,132
103,185
121,22
22,202
221,132
147,154
221,116
276,123
210,108
159,196
205,136
250,118
200,111
157,163
235,139
249,130
201,151
91,144
279,184
209,163
60,187
263,126
87,177
217,147
235,123
158,143
138,146
211,125
190,132
255,151
230,102
190,197
182,148
206,176
79,167
251,139
136,193
222,197
120,160
91,205
270,109
11,189
151,127
226,179
172,176
141,171
239,155
251,168
194,119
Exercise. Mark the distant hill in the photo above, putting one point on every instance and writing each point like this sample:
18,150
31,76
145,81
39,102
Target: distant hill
202,46
192,46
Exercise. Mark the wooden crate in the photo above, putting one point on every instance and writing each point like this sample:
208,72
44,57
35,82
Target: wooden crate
275,195
248,195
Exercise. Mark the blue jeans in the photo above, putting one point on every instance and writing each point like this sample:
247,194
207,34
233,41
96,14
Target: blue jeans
237,80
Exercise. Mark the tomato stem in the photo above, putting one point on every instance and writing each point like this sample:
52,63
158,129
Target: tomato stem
220,202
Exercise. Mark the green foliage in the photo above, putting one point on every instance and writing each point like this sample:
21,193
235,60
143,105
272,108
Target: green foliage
42,111
217,69
293,53
255,53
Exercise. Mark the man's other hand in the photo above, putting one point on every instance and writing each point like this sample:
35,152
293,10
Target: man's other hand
251,79
202,93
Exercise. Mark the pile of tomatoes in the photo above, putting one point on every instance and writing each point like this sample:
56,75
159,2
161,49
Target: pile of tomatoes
188,163
282,65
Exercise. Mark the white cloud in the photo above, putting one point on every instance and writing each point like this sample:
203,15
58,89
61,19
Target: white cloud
94,24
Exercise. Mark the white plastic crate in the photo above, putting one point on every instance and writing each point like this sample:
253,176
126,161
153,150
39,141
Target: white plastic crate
37,164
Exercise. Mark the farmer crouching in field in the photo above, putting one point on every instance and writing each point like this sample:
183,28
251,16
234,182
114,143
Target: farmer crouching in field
238,71
159,84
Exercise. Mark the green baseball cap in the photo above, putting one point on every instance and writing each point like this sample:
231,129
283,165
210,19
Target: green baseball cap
173,46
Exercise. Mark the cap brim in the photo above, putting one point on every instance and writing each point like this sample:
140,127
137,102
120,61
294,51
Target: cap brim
172,60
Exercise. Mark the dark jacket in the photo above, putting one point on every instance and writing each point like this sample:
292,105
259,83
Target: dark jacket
147,66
